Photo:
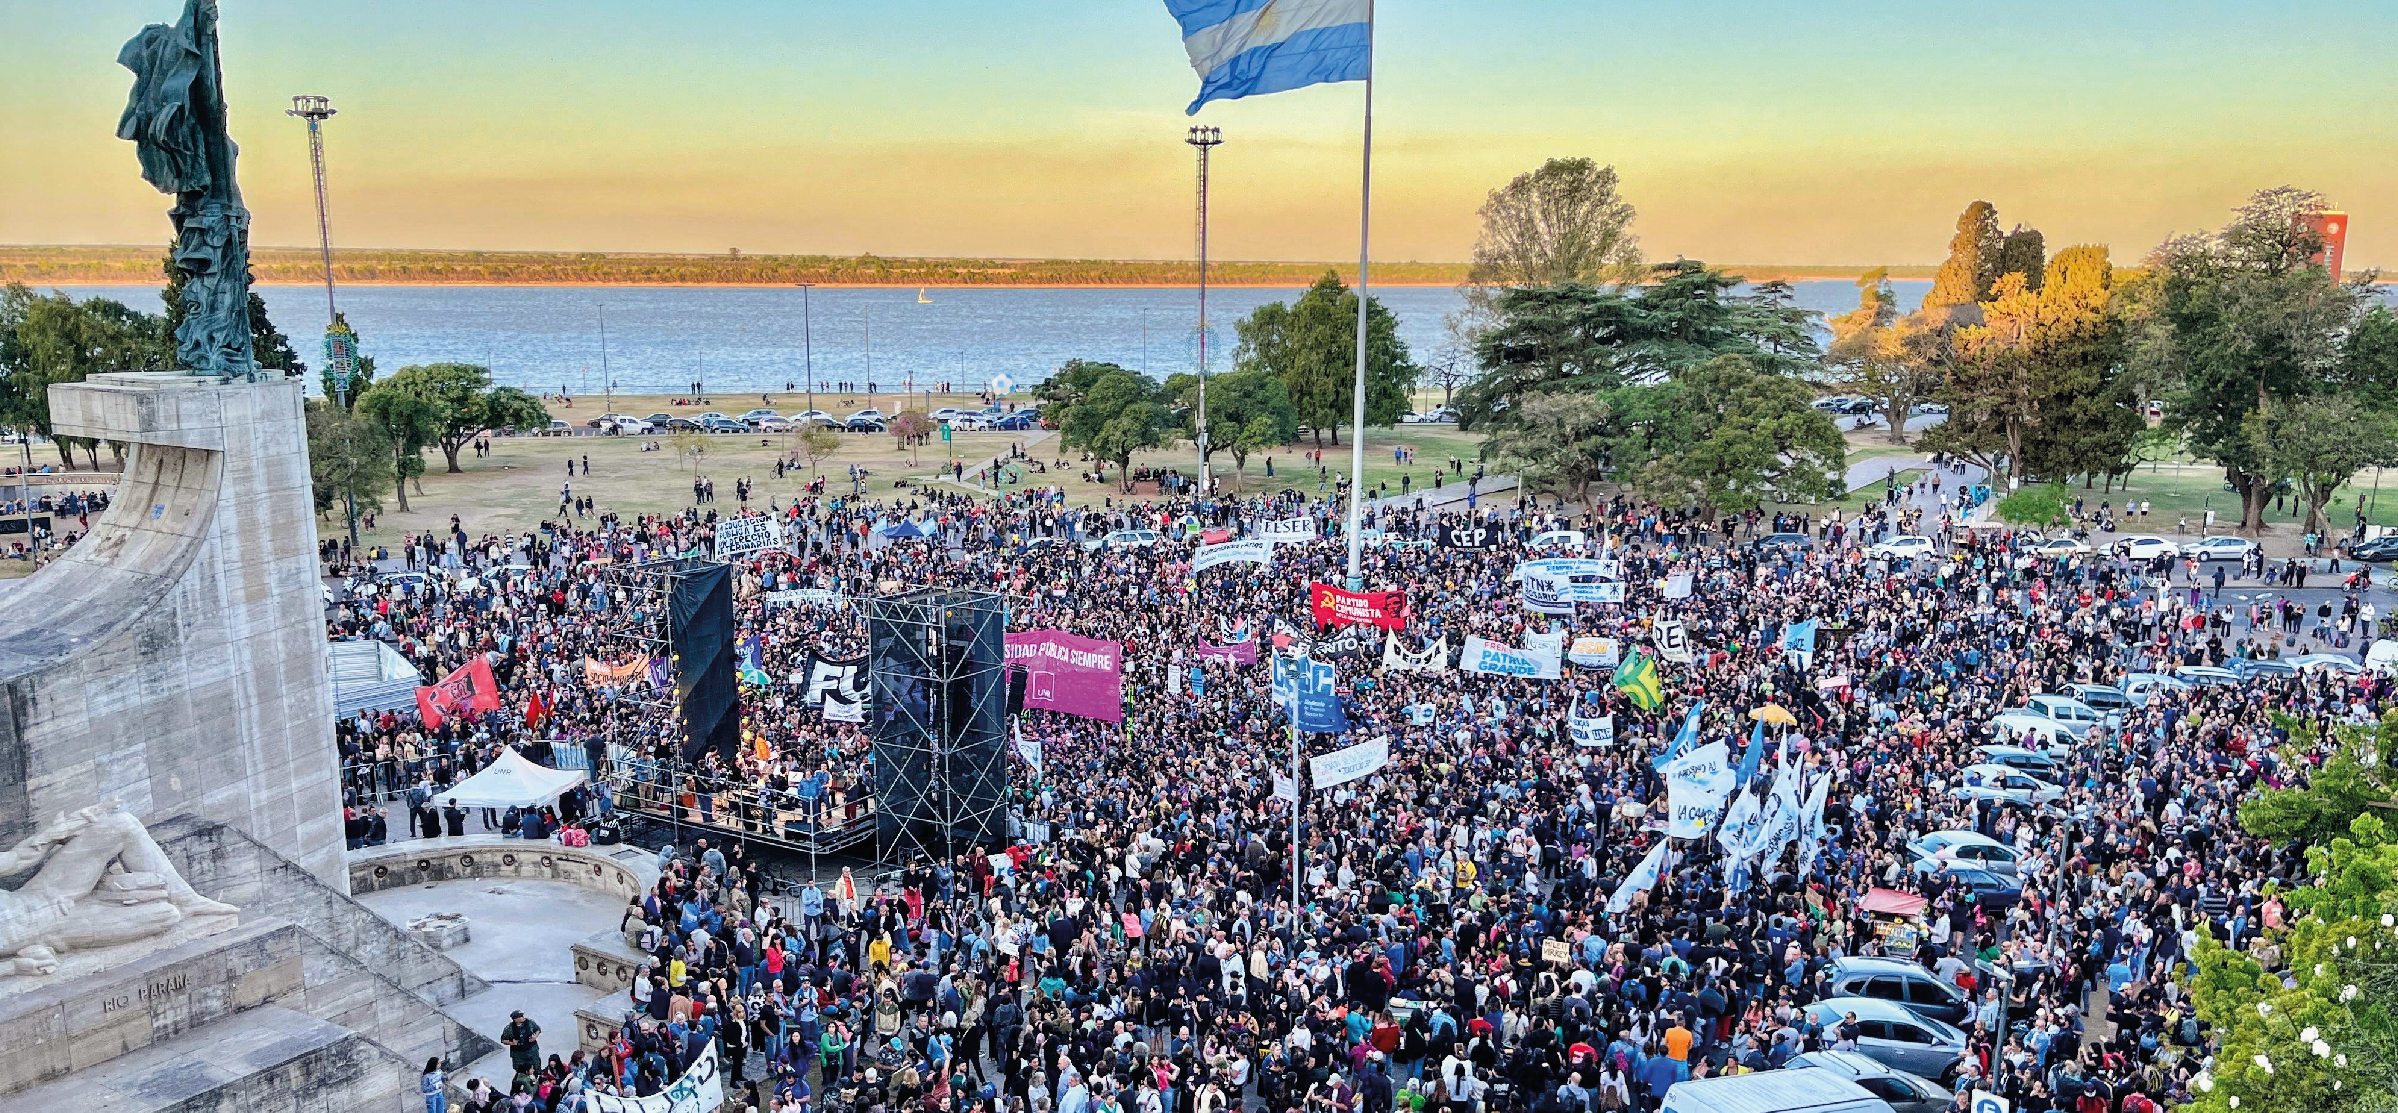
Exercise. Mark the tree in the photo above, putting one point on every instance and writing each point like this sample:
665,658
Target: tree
409,421
690,447
1448,374
2023,251
465,405
50,339
1554,339
2032,354
1236,402
2319,442
1311,346
349,454
1105,410
1893,362
1971,269
818,444
1560,443
911,428
1566,222
1754,437
2039,507
2237,324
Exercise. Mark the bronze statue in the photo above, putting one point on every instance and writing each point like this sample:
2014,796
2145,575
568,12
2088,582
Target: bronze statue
176,117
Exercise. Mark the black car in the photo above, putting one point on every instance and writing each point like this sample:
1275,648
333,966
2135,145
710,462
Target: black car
2379,548
683,425
1785,541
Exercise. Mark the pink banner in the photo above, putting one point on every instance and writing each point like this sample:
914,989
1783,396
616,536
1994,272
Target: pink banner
1079,676
1239,653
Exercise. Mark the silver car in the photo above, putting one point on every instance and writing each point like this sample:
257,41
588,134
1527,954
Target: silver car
1891,1035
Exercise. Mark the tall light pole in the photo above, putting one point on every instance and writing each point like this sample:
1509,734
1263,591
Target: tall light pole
1205,140
341,343
607,381
807,340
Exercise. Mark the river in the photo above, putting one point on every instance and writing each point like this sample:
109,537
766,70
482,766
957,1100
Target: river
660,339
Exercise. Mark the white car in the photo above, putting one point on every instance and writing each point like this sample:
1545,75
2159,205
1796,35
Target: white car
2334,662
967,423
2222,548
1570,539
949,413
815,417
1903,548
867,414
2066,711
2002,783
2058,548
629,427
772,423
2147,548
1124,539
1970,847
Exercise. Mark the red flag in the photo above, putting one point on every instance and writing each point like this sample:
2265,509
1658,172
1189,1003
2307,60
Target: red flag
465,693
1336,607
535,712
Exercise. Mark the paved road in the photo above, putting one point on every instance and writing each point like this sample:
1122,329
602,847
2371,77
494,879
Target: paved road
1866,477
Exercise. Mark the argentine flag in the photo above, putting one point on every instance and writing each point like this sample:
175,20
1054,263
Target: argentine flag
1245,47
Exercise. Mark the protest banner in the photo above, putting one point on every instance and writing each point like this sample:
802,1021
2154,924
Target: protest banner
1673,642
739,537
1238,653
1594,652
1311,689
699,1090
1028,748
797,596
1696,785
466,692
1676,587
1491,658
1334,606
1079,676
1350,642
1349,763
1468,535
1432,658
1594,732
1286,531
1542,595
602,674
1256,550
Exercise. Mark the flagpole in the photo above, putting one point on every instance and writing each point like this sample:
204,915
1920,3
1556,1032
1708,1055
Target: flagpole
1298,797
1365,240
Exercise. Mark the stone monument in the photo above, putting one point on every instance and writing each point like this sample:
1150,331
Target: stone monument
176,929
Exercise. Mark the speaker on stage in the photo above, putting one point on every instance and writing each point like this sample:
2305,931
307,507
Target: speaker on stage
700,628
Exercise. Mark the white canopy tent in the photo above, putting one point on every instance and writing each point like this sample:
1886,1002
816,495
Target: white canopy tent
511,781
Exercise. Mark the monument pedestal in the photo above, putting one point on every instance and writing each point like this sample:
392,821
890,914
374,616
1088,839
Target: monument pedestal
175,657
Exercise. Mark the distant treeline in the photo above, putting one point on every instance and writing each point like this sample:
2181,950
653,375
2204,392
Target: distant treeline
281,265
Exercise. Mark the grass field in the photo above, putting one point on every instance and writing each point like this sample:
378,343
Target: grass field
517,486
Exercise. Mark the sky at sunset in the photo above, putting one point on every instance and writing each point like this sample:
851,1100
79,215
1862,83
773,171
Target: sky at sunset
1785,132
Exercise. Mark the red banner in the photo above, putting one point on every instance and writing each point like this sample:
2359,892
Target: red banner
464,694
1335,607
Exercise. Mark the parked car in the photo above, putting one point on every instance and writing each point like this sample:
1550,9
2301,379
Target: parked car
1571,540
2221,548
2035,732
2208,676
2141,687
815,418
2335,662
1772,1091
869,413
2102,697
603,421
758,413
2005,785
1894,1037
1903,548
1970,847
720,424
2075,715
2379,548
1994,892
949,413
630,427
2260,668
2058,548
775,423
2146,548
1123,539
1903,1091
658,421
679,424
1907,983
1785,541
1020,420
864,425
968,423
2024,759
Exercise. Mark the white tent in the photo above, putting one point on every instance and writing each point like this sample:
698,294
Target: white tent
511,781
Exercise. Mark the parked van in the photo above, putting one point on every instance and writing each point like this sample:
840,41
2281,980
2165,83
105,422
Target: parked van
2037,732
1805,1090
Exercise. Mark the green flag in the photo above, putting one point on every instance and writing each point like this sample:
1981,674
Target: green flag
1637,679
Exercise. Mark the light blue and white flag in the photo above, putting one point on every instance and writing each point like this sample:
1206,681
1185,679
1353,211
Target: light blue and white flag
1243,48
1684,739
1644,877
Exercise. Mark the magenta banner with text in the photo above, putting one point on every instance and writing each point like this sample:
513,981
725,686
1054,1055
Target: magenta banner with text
1079,676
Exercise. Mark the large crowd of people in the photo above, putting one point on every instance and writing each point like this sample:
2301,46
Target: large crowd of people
1444,936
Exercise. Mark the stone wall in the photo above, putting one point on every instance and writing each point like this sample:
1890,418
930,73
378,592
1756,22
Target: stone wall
425,863
174,658
55,1031
225,864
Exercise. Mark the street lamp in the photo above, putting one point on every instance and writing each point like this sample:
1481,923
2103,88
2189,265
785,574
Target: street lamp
807,333
1204,139
341,343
